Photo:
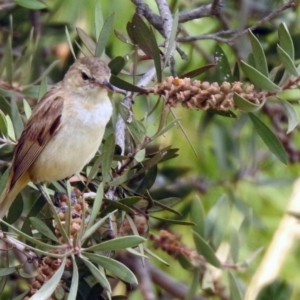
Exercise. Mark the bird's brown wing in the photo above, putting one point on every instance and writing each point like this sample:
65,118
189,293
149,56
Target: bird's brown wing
44,122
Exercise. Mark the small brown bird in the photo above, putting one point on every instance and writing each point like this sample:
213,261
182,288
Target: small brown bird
64,131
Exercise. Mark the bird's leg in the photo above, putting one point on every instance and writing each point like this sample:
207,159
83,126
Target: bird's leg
58,194
40,188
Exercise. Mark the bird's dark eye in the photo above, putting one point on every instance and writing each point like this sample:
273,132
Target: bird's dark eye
84,76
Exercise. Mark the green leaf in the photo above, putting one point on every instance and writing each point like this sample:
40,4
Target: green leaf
7,271
122,179
118,243
27,110
94,227
287,61
185,262
286,41
49,286
104,35
171,221
195,274
16,118
87,40
75,281
270,139
113,266
145,38
99,21
10,128
171,41
107,157
245,105
116,65
234,245
217,220
140,155
223,72
197,71
31,4
258,55
98,275
235,287
70,41
96,205
248,260
165,204
160,205
42,88
198,216
258,79
205,250
3,124
148,180
113,206
292,115
42,228
9,65
124,85
122,37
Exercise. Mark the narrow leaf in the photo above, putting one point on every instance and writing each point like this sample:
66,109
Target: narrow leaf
293,119
171,41
224,72
235,288
113,266
258,55
87,40
287,61
117,243
197,71
145,38
101,278
75,281
116,65
3,124
198,216
286,41
204,249
124,85
270,139
99,21
171,221
70,41
104,35
31,4
96,205
245,105
107,157
258,79
43,228
49,286
27,110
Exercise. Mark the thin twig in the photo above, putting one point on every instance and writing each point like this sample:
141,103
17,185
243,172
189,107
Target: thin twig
218,35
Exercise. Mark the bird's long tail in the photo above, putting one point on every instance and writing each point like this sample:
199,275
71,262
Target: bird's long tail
9,194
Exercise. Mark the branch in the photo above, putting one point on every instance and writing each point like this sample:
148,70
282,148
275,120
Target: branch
167,18
217,36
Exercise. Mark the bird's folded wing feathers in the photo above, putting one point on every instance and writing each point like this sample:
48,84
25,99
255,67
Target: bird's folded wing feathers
42,125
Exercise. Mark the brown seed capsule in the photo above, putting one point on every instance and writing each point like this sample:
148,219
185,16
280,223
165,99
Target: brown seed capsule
36,285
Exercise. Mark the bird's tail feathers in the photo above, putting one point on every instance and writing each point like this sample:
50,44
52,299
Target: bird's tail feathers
9,194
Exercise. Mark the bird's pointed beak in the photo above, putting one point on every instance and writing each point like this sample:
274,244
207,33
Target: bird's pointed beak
106,84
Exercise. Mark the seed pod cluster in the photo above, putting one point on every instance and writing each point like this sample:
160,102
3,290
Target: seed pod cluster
195,94
45,270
